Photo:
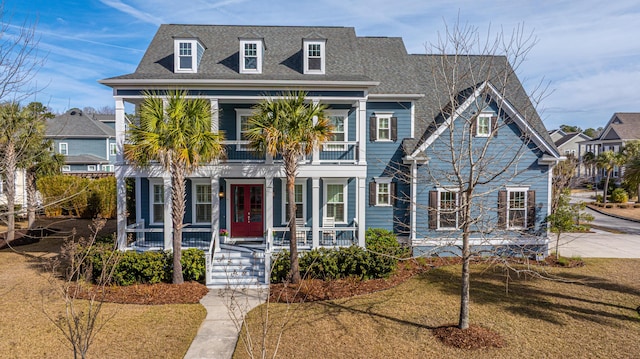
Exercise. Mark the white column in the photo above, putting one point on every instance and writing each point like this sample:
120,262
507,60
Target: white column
121,207
362,123
316,151
268,203
412,198
215,210
360,210
168,222
215,117
315,213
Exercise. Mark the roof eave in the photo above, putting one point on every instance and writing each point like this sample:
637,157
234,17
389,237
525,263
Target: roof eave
237,82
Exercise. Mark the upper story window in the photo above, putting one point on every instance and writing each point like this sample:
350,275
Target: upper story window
187,55
63,148
338,120
251,52
383,127
314,56
382,192
112,149
242,126
484,125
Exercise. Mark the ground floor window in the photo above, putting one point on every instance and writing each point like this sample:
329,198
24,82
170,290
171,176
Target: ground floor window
299,200
202,203
517,209
335,199
157,215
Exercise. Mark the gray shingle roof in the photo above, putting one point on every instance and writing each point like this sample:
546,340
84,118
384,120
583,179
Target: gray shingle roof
74,123
282,57
84,159
569,136
625,124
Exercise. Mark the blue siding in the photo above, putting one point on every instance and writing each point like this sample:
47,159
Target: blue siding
384,159
144,198
525,173
188,212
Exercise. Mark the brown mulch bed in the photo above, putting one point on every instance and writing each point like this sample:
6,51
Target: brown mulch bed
474,337
152,294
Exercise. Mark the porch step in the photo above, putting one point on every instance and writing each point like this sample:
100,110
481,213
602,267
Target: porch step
237,268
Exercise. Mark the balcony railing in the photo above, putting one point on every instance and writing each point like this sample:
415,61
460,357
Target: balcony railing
138,236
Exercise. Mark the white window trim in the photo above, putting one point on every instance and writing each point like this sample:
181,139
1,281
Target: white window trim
306,69
107,168
457,192
194,56
344,114
303,183
345,197
259,54
379,116
66,148
508,205
91,168
112,149
387,181
66,168
488,116
240,112
152,184
194,198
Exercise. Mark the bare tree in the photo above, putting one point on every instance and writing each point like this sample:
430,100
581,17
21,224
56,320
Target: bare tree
82,320
19,63
469,151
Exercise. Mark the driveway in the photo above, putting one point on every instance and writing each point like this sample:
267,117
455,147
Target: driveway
614,238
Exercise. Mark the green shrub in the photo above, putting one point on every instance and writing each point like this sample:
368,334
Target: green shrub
280,266
599,198
63,194
194,267
619,195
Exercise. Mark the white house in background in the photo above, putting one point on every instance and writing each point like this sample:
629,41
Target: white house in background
572,144
21,189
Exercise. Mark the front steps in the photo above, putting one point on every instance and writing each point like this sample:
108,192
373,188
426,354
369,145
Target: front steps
237,267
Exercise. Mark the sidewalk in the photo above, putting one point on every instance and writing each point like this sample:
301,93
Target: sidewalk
218,334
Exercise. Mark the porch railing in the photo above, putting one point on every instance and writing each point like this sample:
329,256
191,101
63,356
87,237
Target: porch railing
138,236
328,237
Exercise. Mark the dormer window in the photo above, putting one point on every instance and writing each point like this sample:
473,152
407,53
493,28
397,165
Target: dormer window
187,55
251,56
314,56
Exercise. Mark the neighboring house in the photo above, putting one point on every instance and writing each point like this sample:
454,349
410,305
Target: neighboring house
572,144
89,144
21,189
372,173
621,128
556,134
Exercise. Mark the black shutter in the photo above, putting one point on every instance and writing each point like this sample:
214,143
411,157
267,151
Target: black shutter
433,209
502,209
372,194
373,126
494,126
394,128
531,209
393,193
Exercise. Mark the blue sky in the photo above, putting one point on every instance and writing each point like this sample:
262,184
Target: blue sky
588,53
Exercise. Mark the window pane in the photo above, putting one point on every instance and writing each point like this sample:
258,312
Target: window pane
334,193
185,62
383,128
158,213
448,209
517,206
383,193
484,125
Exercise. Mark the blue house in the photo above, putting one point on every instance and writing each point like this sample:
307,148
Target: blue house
388,164
88,141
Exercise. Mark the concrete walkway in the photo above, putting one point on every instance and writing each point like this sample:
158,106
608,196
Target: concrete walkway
218,334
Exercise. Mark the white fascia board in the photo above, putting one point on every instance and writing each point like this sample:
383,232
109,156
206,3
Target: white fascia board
239,83
386,97
448,121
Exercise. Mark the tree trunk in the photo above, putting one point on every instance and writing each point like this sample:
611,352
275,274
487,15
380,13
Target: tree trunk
294,275
31,198
463,322
178,198
606,188
10,190
558,246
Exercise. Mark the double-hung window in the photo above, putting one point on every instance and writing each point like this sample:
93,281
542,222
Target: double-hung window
187,55
314,56
383,194
382,191
91,168
483,125
202,203
251,56
63,148
338,119
242,122
335,199
517,209
383,127
448,209
157,205
299,194
112,149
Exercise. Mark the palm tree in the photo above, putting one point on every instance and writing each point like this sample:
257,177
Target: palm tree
632,173
291,127
177,134
607,161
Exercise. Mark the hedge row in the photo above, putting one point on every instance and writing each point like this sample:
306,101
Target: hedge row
147,267
78,196
379,260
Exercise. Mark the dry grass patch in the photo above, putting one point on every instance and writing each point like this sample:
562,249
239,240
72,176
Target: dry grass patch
630,212
595,316
157,331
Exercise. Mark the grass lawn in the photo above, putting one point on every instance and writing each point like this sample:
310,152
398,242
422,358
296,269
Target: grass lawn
135,331
594,317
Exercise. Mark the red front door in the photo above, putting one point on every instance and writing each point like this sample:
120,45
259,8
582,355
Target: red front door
246,210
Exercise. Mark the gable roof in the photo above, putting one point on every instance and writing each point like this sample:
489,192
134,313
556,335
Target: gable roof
74,123
571,136
623,126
